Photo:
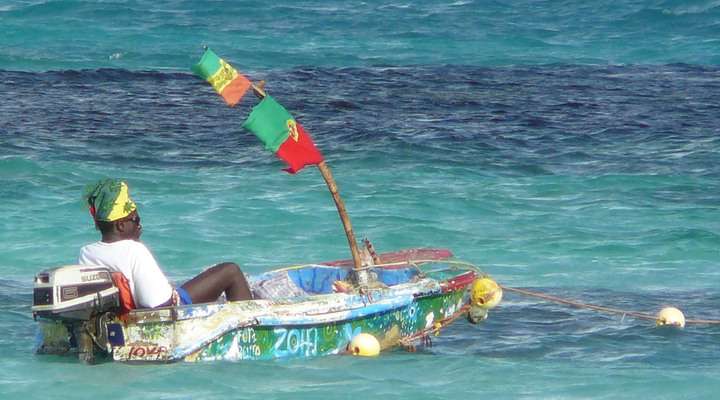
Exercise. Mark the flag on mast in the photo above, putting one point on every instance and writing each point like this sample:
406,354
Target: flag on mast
282,135
225,79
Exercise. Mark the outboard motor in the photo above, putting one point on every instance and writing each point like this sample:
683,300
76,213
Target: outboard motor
68,301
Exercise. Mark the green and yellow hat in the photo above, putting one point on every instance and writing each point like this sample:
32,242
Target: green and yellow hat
109,200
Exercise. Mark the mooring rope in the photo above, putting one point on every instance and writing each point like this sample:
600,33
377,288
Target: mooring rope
609,310
424,334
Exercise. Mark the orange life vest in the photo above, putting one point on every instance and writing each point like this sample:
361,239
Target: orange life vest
127,303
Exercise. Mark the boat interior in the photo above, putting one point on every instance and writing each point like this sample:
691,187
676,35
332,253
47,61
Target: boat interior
319,279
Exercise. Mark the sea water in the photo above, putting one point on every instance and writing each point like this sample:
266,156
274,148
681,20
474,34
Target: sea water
570,148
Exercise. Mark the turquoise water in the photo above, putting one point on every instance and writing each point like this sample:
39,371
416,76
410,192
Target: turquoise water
167,34
565,147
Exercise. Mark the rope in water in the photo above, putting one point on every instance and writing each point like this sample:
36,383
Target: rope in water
609,310
424,334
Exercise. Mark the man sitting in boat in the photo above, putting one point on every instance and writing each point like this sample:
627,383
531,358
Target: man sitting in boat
119,249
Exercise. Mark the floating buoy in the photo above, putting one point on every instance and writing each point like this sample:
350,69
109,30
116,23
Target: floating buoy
477,314
670,316
485,293
365,345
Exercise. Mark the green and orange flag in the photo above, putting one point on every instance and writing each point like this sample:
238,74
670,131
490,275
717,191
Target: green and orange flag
226,81
282,135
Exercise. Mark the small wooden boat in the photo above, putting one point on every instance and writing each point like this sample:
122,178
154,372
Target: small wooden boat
297,313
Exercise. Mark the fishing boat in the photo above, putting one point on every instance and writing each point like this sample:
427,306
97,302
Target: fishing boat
299,311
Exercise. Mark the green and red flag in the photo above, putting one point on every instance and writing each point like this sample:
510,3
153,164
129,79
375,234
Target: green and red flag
226,81
282,135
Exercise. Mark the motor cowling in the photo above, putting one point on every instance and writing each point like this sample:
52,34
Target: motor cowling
74,293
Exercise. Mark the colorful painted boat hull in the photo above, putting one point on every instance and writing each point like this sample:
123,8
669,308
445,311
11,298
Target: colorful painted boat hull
412,305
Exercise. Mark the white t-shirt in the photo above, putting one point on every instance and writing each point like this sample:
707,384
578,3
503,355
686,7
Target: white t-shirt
147,282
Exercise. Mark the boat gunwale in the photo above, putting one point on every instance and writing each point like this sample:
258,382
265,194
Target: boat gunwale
176,313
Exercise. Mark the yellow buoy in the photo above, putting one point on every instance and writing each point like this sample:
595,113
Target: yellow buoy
365,345
485,293
670,316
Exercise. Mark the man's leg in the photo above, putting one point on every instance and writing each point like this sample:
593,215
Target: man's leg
211,283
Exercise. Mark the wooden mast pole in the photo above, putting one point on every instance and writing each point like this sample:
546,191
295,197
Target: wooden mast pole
344,217
259,91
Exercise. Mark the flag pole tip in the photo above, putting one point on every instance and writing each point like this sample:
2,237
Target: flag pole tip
259,89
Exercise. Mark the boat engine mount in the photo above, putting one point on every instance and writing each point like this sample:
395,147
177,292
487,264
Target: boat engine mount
71,303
